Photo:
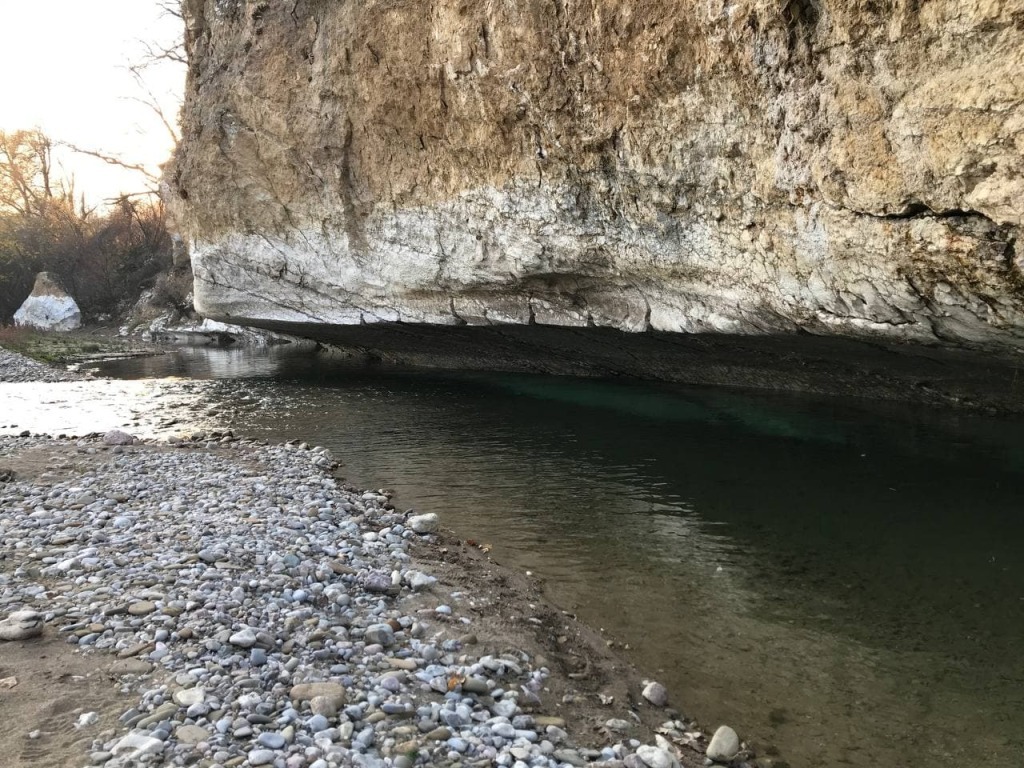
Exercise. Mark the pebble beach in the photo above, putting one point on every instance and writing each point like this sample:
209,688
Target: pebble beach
253,610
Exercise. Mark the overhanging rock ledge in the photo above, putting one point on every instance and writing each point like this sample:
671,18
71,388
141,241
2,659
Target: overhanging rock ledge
745,167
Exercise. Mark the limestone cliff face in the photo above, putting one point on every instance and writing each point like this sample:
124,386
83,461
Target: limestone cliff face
842,166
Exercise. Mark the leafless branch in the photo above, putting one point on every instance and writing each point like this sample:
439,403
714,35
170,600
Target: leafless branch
172,8
153,104
152,181
157,54
113,160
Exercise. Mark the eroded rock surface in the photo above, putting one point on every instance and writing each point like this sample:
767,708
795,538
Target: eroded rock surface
750,166
49,307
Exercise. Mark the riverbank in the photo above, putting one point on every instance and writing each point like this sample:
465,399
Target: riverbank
224,573
68,348
15,367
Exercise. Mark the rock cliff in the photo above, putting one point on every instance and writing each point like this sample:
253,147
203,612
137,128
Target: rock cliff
850,167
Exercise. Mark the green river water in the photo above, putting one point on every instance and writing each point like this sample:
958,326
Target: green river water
841,581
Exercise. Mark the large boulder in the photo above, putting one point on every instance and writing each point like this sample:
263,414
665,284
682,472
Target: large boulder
49,307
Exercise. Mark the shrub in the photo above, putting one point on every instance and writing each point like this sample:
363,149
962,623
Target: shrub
105,259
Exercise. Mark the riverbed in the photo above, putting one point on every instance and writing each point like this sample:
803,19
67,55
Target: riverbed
838,579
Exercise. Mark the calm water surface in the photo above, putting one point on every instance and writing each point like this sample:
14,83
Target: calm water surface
841,581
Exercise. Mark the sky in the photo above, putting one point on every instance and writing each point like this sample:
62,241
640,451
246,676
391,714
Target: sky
64,65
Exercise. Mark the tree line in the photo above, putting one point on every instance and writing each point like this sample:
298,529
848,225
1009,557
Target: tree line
105,257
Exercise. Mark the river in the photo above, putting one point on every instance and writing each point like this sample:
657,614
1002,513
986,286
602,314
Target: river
839,580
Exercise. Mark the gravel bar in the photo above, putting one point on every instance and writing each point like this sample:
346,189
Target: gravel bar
282,617
15,367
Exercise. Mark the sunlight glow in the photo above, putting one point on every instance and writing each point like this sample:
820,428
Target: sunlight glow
65,66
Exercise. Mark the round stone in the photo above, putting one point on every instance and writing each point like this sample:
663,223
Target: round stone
656,694
191,734
380,634
656,757
261,757
141,608
272,740
243,639
189,696
422,524
318,723
724,745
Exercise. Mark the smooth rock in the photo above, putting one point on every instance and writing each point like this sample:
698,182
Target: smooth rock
21,625
306,691
188,697
656,693
191,734
271,740
261,757
318,723
117,437
141,608
246,638
422,524
724,745
136,744
656,757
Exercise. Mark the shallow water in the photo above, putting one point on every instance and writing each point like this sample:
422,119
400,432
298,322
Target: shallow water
839,580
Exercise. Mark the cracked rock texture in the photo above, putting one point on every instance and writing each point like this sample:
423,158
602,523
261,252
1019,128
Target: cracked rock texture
851,167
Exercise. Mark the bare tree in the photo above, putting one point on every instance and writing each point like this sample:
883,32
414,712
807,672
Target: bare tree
159,54
155,53
152,180
26,166
105,258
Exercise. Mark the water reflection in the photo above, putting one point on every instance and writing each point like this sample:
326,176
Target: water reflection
839,579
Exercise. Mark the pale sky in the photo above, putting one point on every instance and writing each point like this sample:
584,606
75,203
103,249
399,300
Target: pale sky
64,71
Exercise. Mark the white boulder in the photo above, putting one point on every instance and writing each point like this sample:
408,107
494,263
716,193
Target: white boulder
49,307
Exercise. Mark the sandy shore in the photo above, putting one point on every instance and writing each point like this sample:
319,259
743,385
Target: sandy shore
445,657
